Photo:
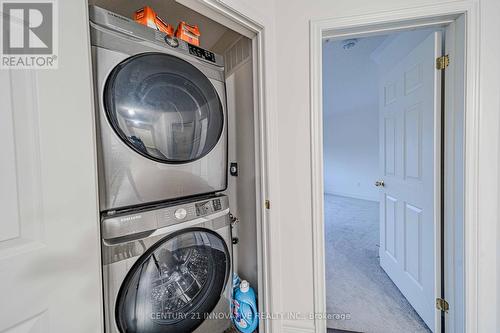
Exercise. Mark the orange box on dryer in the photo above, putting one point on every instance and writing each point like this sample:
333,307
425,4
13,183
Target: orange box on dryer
188,33
148,17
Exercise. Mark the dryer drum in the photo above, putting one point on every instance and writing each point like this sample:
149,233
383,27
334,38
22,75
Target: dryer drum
163,107
175,285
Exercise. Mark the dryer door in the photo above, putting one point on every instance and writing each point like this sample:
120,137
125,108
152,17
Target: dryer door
175,284
163,107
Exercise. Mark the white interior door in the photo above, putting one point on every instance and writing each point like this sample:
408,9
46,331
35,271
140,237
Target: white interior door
410,164
49,236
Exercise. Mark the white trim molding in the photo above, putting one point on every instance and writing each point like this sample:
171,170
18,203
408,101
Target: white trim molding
353,196
372,23
296,326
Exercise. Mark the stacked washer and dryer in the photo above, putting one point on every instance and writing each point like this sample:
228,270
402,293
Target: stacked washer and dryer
162,150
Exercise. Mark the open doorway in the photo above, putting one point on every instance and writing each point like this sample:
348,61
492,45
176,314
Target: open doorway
383,153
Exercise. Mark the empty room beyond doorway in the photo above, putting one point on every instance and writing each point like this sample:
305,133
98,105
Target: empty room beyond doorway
379,161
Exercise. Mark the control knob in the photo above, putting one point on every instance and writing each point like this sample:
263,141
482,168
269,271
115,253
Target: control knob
171,41
180,213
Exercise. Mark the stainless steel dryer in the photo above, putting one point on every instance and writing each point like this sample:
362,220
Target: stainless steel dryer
161,114
168,269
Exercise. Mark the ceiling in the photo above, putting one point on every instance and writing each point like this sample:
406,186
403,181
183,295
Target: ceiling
350,77
364,46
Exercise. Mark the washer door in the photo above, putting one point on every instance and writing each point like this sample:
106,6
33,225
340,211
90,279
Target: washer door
175,284
164,108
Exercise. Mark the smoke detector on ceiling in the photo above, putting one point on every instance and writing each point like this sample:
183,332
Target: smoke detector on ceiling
349,43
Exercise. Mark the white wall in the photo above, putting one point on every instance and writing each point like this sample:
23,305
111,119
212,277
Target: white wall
241,189
351,154
287,82
350,123
286,48
293,98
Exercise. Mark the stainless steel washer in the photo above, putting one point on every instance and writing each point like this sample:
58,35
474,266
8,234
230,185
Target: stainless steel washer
168,269
161,114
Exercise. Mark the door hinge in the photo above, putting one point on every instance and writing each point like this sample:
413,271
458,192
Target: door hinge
442,305
267,204
442,62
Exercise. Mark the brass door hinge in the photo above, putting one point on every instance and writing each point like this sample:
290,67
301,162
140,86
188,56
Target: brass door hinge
442,305
442,62
267,204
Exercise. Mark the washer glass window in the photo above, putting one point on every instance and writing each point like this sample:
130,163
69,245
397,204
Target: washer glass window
164,108
175,284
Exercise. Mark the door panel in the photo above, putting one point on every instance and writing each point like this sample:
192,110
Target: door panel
409,116
413,243
390,226
390,146
49,240
413,142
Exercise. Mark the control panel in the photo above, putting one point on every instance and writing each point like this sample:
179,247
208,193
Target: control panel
201,53
136,221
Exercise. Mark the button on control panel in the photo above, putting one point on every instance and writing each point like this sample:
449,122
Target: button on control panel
217,204
203,208
172,41
180,214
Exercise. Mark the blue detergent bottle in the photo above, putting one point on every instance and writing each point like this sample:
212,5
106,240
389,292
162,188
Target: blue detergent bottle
245,315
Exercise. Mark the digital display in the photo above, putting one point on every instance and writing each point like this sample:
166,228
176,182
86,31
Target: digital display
203,208
201,53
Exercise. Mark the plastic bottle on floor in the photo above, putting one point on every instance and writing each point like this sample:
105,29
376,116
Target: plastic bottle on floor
245,315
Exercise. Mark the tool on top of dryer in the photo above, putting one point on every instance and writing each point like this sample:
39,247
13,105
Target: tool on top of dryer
188,33
148,17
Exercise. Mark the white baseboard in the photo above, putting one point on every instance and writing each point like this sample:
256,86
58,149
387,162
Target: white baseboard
297,326
354,196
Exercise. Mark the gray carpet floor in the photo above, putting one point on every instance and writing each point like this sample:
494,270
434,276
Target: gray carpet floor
355,283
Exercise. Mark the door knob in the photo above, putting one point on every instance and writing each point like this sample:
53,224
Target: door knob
379,183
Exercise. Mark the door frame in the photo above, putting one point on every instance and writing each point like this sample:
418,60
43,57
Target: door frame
259,27
360,25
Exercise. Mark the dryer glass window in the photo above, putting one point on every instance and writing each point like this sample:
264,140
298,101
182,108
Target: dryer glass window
175,285
164,108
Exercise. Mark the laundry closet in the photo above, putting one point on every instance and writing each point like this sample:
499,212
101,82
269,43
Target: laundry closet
203,179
